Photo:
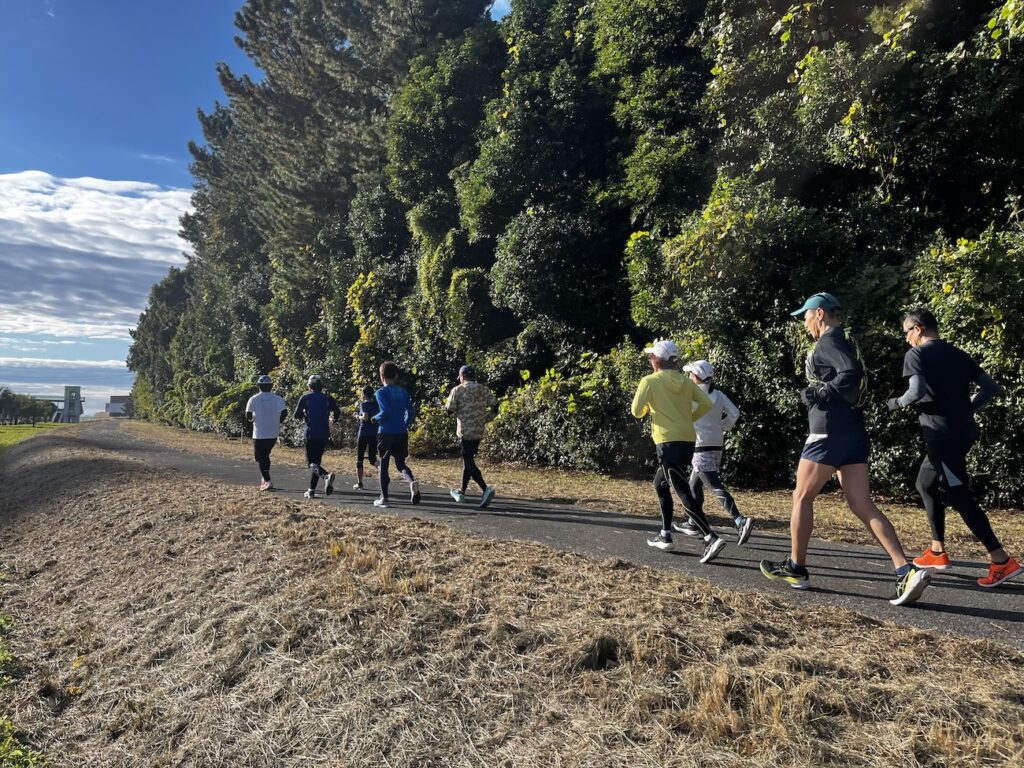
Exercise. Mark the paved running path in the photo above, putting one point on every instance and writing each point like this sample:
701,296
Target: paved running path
857,578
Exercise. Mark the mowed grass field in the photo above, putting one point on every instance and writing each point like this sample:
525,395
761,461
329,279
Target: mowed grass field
15,433
833,521
164,619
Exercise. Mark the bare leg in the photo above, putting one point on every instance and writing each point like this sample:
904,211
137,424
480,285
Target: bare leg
857,489
810,479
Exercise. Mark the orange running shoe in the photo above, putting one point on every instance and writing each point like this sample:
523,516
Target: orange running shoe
930,560
997,574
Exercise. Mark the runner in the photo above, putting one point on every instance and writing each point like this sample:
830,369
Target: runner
707,456
940,377
838,442
394,417
266,412
473,405
673,401
315,409
366,435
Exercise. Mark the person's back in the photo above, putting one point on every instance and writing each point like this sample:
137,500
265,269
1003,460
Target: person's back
945,410
266,408
712,426
315,409
473,404
396,410
669,397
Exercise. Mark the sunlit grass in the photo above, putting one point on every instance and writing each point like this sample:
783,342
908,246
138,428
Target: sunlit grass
11,434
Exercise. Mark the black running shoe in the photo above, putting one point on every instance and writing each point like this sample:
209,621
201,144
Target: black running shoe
712,547
796,578
687,527
743,530
662,541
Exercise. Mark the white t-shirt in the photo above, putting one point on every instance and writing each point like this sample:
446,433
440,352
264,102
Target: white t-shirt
266,410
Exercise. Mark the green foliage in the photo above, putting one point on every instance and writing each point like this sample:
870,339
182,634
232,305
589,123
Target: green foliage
433,432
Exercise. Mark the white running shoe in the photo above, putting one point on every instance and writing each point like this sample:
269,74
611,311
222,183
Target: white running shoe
662,541
743,530
310,494
712,547
457,495
357,487
329,483
381,502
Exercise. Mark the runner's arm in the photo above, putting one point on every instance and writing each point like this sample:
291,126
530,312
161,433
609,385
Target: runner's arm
300,409
915,391
702,403
988,390
730,413
451,406
379,415
335,410
639,407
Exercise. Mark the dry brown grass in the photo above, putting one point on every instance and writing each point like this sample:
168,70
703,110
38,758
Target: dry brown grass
833,521
169,620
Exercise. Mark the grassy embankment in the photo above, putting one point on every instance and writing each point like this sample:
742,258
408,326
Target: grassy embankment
178,621
13,754
833,521
15,433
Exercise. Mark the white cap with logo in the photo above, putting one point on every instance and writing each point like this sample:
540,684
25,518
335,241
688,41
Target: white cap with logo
663,349
702,369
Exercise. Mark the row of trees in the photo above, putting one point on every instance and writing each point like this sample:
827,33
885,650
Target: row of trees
23,409
539,196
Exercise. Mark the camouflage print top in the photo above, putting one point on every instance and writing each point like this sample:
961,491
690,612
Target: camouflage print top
472,403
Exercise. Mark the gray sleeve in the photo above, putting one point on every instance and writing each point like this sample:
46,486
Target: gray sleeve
915,391
988,390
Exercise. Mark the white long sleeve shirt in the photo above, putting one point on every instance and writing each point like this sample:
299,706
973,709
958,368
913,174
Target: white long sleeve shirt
712,426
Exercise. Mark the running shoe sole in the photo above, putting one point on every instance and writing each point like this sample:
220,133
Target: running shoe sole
918,582
664,546
380,504
792,581
744,531
931,567
488,497
1003,580
329,486
711,552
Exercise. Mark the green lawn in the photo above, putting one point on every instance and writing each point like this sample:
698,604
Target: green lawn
9,435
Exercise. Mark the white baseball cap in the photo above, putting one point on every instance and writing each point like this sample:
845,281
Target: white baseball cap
702,369
663,349
314,379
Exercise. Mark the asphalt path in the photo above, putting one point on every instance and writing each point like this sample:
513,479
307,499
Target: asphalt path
853,577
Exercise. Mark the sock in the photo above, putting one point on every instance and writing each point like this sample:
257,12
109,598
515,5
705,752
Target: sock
795,566
938,552
903,569
1002,563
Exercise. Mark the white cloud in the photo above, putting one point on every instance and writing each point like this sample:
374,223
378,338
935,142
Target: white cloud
500,8
40,362
78,256
158,158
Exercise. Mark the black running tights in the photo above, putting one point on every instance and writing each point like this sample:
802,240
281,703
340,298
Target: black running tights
672,458
713,481
943,479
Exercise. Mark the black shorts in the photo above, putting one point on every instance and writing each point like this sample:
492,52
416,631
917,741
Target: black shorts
393,446
468,448
677,453
315,451
838,450
366,445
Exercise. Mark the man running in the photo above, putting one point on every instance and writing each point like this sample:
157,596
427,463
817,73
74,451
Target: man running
473,405
837,443
315,408
674,402
266,412
940,377
393,419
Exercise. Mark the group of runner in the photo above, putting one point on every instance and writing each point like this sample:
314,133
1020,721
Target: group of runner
689,418
382,435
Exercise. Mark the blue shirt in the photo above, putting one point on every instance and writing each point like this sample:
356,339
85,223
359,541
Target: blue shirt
367,428
396,411
314,408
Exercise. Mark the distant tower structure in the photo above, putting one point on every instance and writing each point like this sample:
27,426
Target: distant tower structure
72,410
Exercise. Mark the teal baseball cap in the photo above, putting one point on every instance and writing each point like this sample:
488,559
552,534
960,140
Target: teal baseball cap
825,301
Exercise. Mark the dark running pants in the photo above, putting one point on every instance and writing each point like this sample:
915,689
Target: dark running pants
714,482
673,458
314,455
366,446
470,471
261,448
393,447
943,480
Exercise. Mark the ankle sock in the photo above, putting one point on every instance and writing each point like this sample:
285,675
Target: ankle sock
903,570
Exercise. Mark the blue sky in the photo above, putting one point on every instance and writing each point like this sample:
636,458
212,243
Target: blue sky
98,102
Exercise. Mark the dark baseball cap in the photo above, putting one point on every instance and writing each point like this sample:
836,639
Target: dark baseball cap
825,301
467,371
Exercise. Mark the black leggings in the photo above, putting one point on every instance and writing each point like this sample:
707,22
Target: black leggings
943,479
314,455
713,481
366,445
672,458
261,448
470,471
393,447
